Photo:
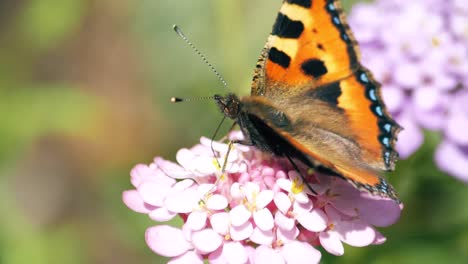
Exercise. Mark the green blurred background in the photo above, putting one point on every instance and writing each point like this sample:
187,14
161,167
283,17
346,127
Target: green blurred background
84,96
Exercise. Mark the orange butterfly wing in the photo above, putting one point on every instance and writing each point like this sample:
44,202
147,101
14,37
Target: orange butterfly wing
310,71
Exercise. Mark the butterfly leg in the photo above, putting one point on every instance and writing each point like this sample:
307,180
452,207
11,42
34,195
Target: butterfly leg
300,173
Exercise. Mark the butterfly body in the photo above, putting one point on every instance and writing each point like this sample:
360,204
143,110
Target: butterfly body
312,100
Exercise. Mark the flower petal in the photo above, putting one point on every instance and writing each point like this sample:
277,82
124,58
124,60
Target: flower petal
287,235
262,237
452,159
182,202
234,252
379,238
355,233
172,170
331,242
300,253
301,208
196,220
265,254
315,220
239,215
132,200
161,214
167,241
282,201
251,190
409,139
239,233
264,219
188,258
220,222
283,221
216,202
264,198
284,184
153,193
378,211
206,240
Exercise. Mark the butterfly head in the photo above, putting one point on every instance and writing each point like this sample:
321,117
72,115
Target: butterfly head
230,105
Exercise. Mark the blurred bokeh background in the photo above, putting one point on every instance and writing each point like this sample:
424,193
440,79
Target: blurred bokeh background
84,96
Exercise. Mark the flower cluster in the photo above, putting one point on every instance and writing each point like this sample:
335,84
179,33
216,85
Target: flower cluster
258,211
418,50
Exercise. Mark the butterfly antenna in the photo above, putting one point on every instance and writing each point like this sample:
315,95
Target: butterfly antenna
202,56
179,100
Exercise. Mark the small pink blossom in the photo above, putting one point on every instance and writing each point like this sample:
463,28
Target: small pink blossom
257,211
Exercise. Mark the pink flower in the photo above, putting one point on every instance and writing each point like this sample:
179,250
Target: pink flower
258,211
424,77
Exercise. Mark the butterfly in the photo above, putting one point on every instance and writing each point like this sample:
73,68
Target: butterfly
312,100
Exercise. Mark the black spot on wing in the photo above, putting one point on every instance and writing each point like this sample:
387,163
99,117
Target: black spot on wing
314,67
279,57
284,27
303,3
327,93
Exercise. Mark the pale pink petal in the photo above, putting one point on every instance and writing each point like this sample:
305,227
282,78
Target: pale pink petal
265,254
302,197
167,241
182,202
217,146
173,170
251,191
216,202
201,150
410,138
185,157
282,202
216,257
138,173
284,184
264,198
379,238
204,166
239,215
355,233
262,237
235,253
347,198
315,221
205,188
452,159
161,214
196,220
153,193
236,191
182,185
283,221
331,242
206,240
251,254
239,233
300,253
301,208
287,235
188,258
187,233
220,222
457,127
333,214
378,211
394,98
132,200
264,219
